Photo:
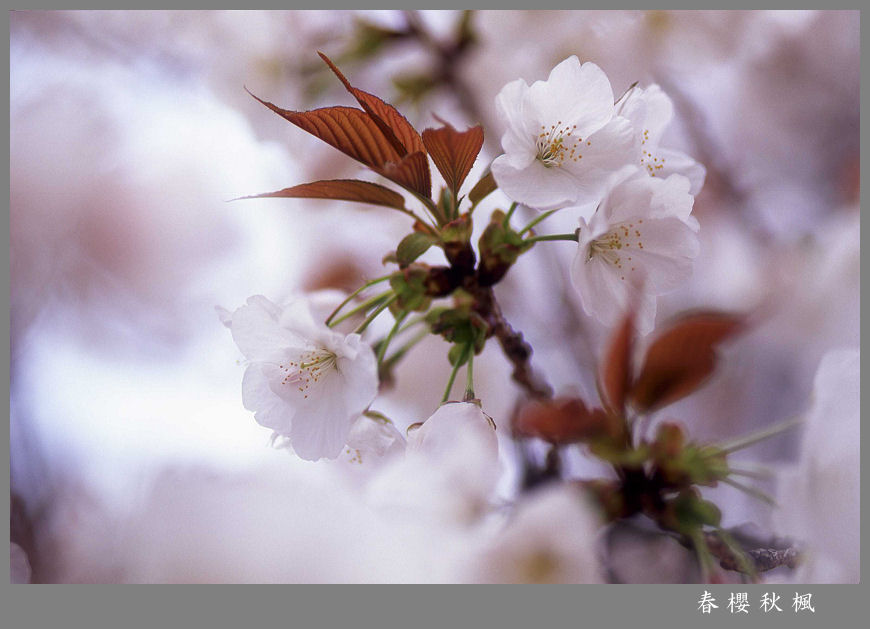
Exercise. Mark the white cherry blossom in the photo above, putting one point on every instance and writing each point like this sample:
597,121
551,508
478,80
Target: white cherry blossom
304,381
642,238
650,111
564,142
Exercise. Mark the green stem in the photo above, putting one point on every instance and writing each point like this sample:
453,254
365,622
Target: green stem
752,491
537,220
404,349
375,314
749,440
382,350
368,303
469,378
572,237
354,294
431,229
412,323
757,474
705,557
432,209
507,218
453,375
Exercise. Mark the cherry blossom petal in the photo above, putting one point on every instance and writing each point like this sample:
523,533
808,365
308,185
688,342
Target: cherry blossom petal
322,425
680,163
269,409
573,94
650,111
256,330
536,185
662,197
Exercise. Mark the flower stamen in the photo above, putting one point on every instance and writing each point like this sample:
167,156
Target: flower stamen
556,144
310,368
609,246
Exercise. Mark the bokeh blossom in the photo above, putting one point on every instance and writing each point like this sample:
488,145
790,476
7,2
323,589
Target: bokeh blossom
819,498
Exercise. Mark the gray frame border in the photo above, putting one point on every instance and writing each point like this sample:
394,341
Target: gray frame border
415,606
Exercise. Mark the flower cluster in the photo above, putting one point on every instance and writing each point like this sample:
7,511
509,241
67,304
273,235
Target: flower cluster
567,143
568,146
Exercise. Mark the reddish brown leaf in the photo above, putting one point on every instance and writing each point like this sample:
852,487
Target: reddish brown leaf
354,133
482,188
682,358
453,152
393,124
616,368
351,131
562,421
411,172
340,190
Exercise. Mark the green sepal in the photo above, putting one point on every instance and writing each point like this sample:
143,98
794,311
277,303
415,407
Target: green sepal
409,285
412,247
499,247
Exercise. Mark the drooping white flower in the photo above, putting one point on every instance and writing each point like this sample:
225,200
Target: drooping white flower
642,238
372,442
304,381
564,142
819,499
650,111
449,471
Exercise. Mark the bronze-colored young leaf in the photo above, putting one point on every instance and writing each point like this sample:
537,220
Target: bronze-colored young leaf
561,421
340,190
410,172
352,131
616,368
453,151
393,124
482,188
682,358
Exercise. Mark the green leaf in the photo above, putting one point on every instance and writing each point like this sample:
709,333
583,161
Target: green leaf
412,247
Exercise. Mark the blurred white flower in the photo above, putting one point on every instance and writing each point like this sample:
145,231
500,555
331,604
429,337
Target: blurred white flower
819,500
564,142
372,442
551,538
650,111
642,238
280,522
304,381
19,566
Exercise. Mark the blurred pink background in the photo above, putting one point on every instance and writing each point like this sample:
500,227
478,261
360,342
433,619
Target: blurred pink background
130,132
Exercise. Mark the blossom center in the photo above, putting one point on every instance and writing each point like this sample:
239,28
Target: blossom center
557,143
308,370
649,161
615,246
